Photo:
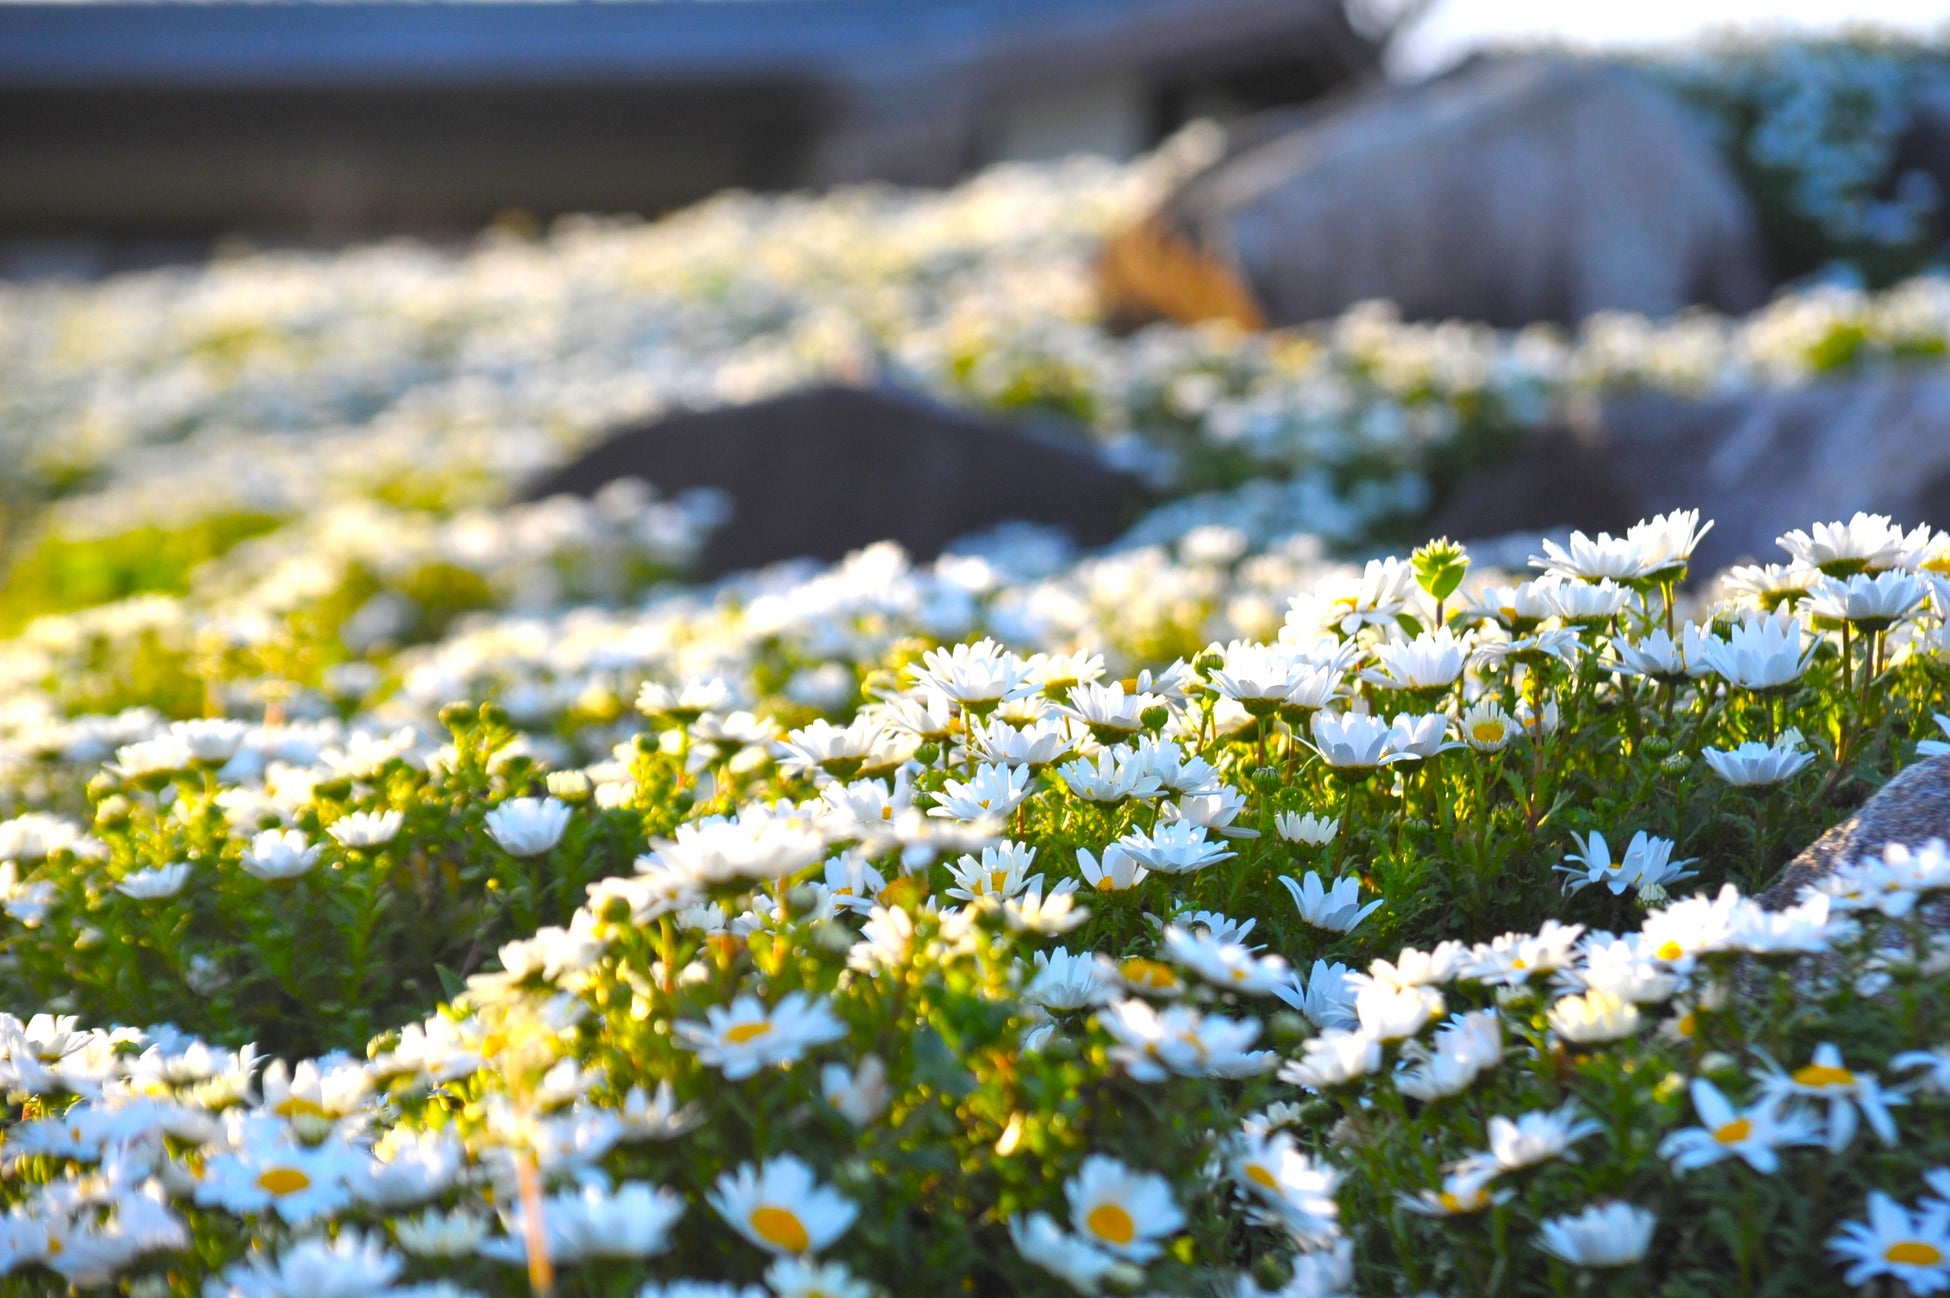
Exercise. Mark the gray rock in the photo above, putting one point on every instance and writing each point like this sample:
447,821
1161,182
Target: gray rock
1513,191
1759,464
1912,808
823,471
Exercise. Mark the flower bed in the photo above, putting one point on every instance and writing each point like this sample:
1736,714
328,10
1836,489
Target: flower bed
1402,950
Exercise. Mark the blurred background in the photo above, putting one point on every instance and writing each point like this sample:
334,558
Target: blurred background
1091,272
137,132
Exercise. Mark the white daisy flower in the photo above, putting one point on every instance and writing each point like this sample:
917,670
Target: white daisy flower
1122,1211
781,1207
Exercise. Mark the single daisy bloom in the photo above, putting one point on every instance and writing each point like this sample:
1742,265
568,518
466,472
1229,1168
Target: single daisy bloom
1118,871
1825,1078
1656,657
1537,1137
1395,1013
1768,586
1754,764
1351,743
1931,1066
1913,1247
1037,746
1418,738
1337,909
1464,1048
345,1267
1594,1017
1588,605
1227,965
1319,831
276,855
1334,1058
366,829
781,1207
1108,712
838,751
1431,661
1044,1244
992,792
1287,1188
1869,602
528,826
1603,1235
1174,847
1754,1134
1761,653
1154,1044
746,1037
1513,959
1866,543
798,1277
979,676
1111,777
298,1182
1487,728
1121,1210
687,702
157,884
1592,559
1047,913
1462,1192
1001,871
1666,542
1064,981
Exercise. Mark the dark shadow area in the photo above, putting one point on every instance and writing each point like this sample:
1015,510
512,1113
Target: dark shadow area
821,472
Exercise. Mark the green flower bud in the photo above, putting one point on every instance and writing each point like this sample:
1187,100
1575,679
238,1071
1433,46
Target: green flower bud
1287,1029
1439,567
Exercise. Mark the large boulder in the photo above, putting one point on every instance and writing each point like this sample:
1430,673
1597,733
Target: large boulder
823,471
1911,809
1759,464
1512,191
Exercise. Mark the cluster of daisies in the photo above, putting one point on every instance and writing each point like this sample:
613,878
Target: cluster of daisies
864,957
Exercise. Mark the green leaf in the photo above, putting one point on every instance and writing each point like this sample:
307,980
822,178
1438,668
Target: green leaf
451,983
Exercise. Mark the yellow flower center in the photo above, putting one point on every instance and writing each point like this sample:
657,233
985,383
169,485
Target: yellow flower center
1734,1132
1106,884
1147,973
1821,1076
1670,951
1452,1202
1913,1252
781,1227
1259,1176
283,1180
1110,1222
298,1106
1487,732
740,1033
997,878
1688,1025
